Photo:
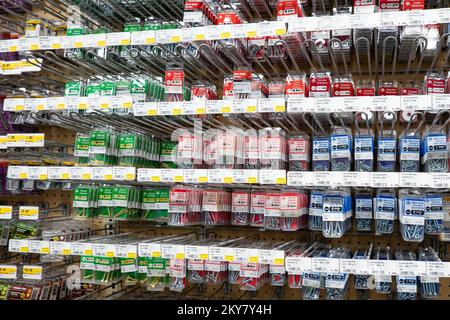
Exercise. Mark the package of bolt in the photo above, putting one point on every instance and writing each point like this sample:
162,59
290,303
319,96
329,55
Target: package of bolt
85,201
177,274
294,209
104,270
156,272
363,211
215,207
296,86
336,213
433,149
411,205
289,9
240,207
253,276
299,147
155,204
216,272
434,213
429,286
362,281
184,206
257,208
406,286
273,148
336,284
189,151
196,271
129,271
341,149
387,146
385,209
315,210
383,283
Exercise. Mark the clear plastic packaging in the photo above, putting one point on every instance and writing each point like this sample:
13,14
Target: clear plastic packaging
410,147
411,215
257,208
434,213
315,210
336,213
387,145
406,286
364,144
429,286
383,283
216,207
240,207
299,151
336,284
385,208
364,211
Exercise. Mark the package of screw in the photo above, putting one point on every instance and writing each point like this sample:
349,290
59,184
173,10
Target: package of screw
289,9
385,207
142,263
434,213
177,274
311,282
296,86
105,270
240,207
434,152
336,213
103,147
315,210
189,151
252,155
126,203
81,149
155,204
273,148
87,269
253,276
362,281
168,154
406,286
387,149
363,210
429,286
184,206
293,208
336,284
383,283
85,201
174,83
320,85
341,149
257,208
216,207
198,13
129,271
196,271
299,149
411,205
156,272
272,210
364,144
234,270
216,272
408,43
410,149
230,149
321,153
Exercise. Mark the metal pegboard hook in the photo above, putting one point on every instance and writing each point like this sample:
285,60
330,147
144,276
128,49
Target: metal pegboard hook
413,118
358,60
383,58
236,61
291,57
438,50
392,120
252,52
364,116
313,47
413,50
333,59
214,53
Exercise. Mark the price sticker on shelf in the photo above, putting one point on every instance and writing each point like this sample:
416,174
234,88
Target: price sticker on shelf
444,15
271,28
8,271
173,251
32,272
81,248
124,173
322,178
55,103
245,176
6,212
122,102
440,180
356,179
169,36
301,105
14,104
439,101
416,102
60,247
145,109
195,175
303,24
104,250
70,42
383,267
438,269
386,103
392,19
272,176
150,250
215,106
272,105
324,23
415,180
39,246
354,266
38,173
247,30
245,255
272,257
300,178
194,34
17,172
194,107
118,39
197,252
58,173
146,37
101,173
28,213
384,180
244,105
411,268
362,21
18,245
221,254
125,251
320,264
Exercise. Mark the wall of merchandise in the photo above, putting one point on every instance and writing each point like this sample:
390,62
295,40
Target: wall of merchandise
210,149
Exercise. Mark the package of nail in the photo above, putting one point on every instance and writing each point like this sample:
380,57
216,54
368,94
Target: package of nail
385,209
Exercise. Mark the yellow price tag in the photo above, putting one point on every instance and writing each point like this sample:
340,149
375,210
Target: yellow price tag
34,46
202,179
225,35
5,210
34,138
45,250
199,37
40,107
203,256
23,249
109,254
101,43
251,180
251,108
177,111
129,176
60,106
65,175
13,48
78,44
7,270
88,252
178,178
104,106
280,108
23,175
43,177
32,270
278,261
127,105
66,252
253,259
225,109
175,39
150,41
152,112
125,42
82,106
56,45
86,176
280,32
228,258
179,256
155,179
131,255
19,108
251,34
228,180
107,177
156,254
28,212
200,111
281,180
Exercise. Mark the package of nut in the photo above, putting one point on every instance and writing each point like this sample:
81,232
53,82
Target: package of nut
257,208
272,210
434,83
240,207
289,9
296,85
343,86
388,88
320,85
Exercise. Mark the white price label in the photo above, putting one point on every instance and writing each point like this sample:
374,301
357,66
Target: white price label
28,213
143,37
80,173
124,173
18,245
6,212
118,39
60,247
415,179
322,178
104,250
195,175
145,109
325,105
39,246
8,271
14,104
32,272
386,103
95,40
272,176
169,36
151,250
272,105
197,252
173,251
56,103
354,266
194,107
300,178
411,268
245,176
384,180
82,248
126,251
221,254
298,265
320,264
416,102
356,179
58,173
440,180
38,173
382,267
